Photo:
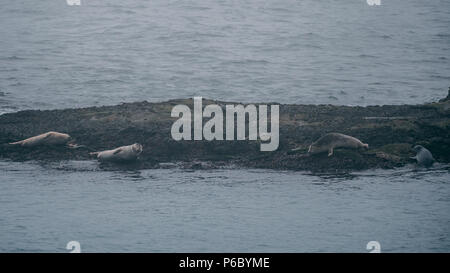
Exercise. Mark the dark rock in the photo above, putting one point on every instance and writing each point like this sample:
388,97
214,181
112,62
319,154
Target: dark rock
389,130
446,98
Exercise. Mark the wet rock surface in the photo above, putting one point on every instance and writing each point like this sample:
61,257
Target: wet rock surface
390,131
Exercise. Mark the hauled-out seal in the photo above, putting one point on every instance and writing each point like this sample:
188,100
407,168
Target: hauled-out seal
124,153
335,140
49,138
423,156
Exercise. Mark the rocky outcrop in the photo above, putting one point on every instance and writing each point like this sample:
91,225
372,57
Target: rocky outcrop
390,131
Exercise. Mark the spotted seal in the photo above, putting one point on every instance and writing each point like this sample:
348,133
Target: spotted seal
49,138
329,142
124,153
423,156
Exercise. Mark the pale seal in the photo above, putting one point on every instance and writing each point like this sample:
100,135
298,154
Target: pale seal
124,153
49,138
329,142
423,156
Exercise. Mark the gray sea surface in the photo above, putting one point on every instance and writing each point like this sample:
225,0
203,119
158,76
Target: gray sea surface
310,52
45,205
307,52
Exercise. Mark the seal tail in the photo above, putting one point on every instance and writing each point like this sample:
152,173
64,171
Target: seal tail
16,143
94,153
77,146
292,151
366,146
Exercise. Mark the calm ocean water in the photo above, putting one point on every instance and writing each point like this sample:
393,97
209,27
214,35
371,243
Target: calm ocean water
44,206
312,52
106,52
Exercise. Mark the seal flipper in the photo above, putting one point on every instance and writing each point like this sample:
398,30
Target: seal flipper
295,150
76,146
330,152
117,151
